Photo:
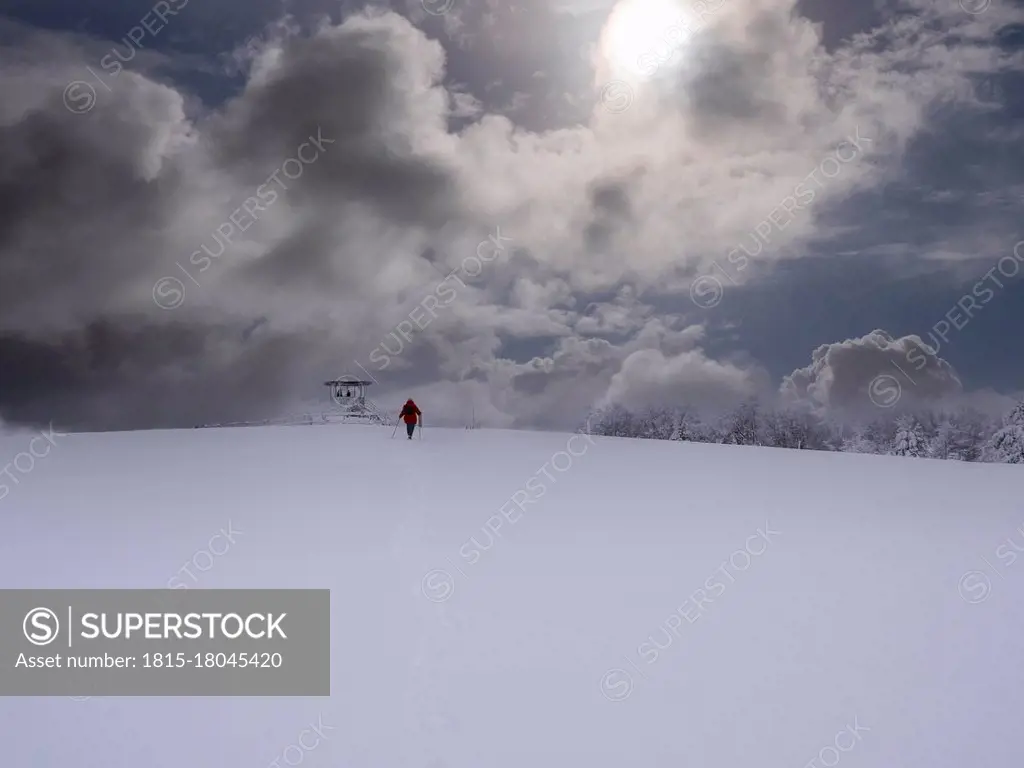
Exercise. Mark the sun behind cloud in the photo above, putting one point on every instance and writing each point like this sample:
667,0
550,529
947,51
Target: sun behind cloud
643,36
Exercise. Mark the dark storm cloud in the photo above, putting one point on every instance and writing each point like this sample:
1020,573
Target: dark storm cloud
68,187
299,259
733,86
611,210
120,372
353,89
97,205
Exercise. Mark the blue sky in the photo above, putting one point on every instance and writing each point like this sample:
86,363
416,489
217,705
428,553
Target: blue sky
498,115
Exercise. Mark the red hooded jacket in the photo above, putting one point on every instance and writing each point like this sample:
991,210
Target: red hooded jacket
410,412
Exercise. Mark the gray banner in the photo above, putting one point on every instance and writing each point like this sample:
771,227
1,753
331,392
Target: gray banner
165,642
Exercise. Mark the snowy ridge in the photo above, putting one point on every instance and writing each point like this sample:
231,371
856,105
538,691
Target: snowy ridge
504,598
306,419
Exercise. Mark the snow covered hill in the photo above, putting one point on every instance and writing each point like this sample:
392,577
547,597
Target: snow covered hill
650,604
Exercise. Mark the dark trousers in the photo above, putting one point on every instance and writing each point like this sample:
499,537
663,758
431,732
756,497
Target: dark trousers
410,428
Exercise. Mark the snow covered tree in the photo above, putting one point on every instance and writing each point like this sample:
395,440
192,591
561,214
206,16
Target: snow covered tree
946,442
780,430
798,429
910,439
707,433
859,442
880,433
1007,444
688,425
743,426
965,438
614,421
834,432
657,424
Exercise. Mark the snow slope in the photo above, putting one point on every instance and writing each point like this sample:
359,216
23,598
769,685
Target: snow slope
836,624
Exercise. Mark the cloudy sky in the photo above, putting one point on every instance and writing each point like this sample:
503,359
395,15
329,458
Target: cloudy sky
521,209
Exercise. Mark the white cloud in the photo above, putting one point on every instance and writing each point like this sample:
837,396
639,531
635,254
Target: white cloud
873,371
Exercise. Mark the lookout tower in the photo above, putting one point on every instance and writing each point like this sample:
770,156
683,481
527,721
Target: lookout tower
349,395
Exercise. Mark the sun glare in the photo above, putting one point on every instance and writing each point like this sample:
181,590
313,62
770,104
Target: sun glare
641,36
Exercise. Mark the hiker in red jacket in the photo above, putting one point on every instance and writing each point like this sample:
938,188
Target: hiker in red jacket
410,415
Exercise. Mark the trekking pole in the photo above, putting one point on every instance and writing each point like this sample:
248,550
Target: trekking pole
394,430
421,427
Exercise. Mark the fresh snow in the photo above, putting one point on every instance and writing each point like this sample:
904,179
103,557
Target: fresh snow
840,621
